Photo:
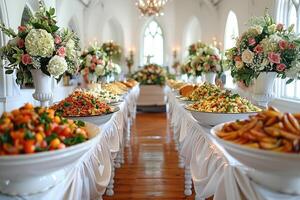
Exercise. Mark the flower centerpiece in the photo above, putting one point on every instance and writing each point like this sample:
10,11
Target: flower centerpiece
264,51
151,74
193,48
186,68
207,60
112,50
40,50
93,65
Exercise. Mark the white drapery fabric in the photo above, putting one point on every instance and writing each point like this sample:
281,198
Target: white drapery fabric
90,176
213,171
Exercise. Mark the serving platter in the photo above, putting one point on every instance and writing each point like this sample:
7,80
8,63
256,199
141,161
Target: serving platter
275,170
96,119
214,118
33,173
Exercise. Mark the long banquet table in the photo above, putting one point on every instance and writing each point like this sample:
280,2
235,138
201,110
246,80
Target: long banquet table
211,170
93,174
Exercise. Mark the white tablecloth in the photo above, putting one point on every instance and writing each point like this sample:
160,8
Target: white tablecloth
91,175
212,170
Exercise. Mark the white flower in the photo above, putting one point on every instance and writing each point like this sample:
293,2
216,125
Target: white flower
247,56
117,69
272,28
57,66
239,64
258,29
294,71
88,60
100,70
39,42
70,49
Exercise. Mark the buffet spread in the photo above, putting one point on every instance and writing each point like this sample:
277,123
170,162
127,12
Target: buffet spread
232,149
70,149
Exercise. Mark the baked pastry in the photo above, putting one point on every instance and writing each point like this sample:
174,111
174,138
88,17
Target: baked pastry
186,90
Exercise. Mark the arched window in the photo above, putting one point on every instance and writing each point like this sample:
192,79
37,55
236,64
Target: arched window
230,35
153,44
231,31
288,15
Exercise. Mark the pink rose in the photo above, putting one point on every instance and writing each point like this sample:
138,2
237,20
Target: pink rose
93,66
279,27
214,57
26,59
22,28
251,41
61,51
21,43
57,40
274,57
94,59
237,58
258,49
283,44
206,66
281,67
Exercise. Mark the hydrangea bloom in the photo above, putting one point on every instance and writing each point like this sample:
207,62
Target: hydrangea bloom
39,42
57,66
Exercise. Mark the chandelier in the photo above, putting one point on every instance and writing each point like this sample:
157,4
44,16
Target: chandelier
151,7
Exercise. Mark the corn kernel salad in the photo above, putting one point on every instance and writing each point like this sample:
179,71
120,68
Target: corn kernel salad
203,91
224,102
31,129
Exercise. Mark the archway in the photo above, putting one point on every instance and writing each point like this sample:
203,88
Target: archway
192,33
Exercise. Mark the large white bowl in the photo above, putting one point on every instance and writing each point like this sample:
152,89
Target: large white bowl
213,118
277,171
98,119
34,173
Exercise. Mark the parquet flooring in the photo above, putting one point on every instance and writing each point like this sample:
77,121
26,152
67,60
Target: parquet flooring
151,169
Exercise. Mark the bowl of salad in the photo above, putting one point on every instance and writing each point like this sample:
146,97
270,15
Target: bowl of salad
38,147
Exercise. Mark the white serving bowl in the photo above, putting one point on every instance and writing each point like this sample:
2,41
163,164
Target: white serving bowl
275,170
97,119
34,173
213,118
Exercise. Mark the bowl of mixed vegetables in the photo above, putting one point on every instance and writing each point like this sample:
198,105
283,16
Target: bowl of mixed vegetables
37,146
219,106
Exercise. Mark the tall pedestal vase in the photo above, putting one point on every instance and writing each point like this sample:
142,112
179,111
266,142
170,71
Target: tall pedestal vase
262,88
42,83
210,77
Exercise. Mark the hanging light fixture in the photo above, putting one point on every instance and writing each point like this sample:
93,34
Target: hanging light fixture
151,7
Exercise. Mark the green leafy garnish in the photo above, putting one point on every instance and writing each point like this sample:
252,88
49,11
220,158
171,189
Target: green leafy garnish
75,140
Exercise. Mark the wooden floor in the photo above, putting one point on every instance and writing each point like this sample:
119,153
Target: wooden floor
151,163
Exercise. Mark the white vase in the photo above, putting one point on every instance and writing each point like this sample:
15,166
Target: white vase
93,78
262,88
210,77
42,83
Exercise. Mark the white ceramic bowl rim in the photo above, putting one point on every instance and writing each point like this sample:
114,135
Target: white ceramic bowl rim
224,113
252,150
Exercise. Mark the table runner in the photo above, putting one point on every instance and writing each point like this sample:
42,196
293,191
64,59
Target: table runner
212,170
92,173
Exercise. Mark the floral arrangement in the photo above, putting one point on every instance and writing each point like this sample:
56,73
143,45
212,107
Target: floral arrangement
112,50
40,44
265,47
151,74
186,68
94,62
193,48
206,59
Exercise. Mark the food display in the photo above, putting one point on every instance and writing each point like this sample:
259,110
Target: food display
187,90
175,84
269,130
31,129
113,88
81,104
102,94
204,91
224,102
